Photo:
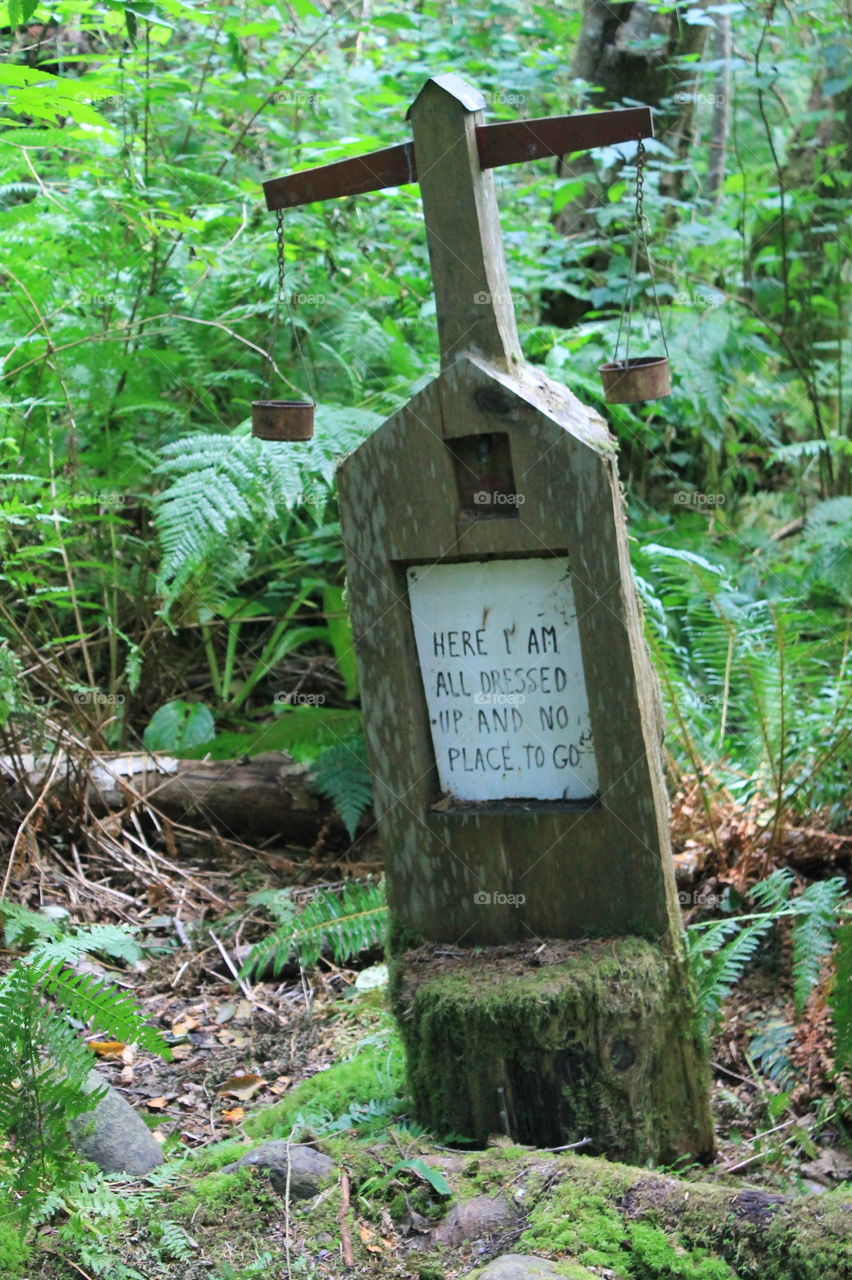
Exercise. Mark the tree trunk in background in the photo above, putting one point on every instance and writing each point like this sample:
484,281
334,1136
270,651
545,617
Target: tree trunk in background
802,243
721,109
627,52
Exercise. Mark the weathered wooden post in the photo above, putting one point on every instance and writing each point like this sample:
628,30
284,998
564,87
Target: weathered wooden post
510,711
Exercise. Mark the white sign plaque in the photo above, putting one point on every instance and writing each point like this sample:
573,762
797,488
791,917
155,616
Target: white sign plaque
503,676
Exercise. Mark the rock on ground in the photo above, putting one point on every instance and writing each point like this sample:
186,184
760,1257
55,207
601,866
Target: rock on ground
473,1219
112,1135
309,1168
518,1266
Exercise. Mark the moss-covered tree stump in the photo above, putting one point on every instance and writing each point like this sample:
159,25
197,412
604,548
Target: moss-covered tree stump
554,1043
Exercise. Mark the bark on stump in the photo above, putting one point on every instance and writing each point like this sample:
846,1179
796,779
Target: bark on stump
591,1039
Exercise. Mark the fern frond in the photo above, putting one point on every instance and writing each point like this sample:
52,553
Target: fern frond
86,998
775,890
115,940
174,1242
818,912
348,922
221,489
718,957
21,926
341,772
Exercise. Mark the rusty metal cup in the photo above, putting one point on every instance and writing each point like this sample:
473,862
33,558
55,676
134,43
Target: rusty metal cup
282,419
640,378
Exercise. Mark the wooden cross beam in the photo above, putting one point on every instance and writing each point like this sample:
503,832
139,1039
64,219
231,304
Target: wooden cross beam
451,157
496,144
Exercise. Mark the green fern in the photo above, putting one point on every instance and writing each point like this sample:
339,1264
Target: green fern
348,921
840,1002
718,957
818,914
341,772
88,1000
719,951
736,673
223,489
45,1065
174,1243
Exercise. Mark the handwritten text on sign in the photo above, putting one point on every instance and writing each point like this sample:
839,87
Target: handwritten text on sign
503,676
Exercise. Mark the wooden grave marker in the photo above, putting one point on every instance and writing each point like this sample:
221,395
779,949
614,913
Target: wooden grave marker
510,711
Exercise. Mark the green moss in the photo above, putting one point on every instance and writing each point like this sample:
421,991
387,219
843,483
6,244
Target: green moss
588,1226
14,1252
582,1224
374,1079
212,1198
695,1232
655,1257
601,1042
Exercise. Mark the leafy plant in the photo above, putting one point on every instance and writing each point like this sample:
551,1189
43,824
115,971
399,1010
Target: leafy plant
347,921
45,1065
341,772
756,691
719,951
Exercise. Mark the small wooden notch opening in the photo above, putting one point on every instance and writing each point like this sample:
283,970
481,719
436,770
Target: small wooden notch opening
484,477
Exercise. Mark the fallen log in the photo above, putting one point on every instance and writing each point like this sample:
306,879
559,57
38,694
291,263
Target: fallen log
252,798
623,1220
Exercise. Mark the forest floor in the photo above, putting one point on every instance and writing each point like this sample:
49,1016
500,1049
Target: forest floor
237,1048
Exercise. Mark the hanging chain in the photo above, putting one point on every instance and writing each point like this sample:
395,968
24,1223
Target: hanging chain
641,156
281,299
639,213
272,342
639,234
279,241
640,223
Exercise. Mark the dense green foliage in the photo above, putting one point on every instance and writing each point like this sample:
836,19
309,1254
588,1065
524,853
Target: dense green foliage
146,541
44,1066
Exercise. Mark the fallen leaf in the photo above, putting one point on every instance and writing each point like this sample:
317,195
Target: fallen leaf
225,1013
243,1086
234,1116
181,1026
107,1048
367,1237
157,1104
